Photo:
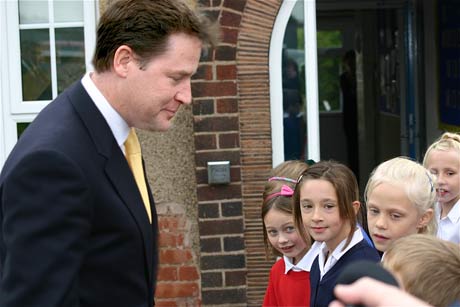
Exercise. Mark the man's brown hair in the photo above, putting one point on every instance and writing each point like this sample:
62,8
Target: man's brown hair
145,26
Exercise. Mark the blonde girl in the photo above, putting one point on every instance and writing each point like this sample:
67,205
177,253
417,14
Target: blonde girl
400,198
442,159
326,204
289,282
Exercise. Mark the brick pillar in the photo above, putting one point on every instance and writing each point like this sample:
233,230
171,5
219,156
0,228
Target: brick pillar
216,130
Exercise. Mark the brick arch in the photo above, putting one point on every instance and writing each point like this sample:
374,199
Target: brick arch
255,133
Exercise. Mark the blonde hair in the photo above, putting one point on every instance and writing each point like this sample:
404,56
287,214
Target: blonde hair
447,141
416,181
286,174
428,268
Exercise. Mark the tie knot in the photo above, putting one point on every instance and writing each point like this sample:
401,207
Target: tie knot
132,145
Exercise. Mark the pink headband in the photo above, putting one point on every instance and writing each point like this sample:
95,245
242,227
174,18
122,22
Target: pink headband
285,191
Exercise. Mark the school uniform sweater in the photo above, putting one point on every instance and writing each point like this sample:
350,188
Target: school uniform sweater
321,290
289,284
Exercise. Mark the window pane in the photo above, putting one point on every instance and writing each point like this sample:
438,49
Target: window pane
328,83
35,65
21,127
293,65
33,11
70,56
68,10
329,39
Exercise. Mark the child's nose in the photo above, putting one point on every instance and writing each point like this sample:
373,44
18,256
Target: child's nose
381,222
316,214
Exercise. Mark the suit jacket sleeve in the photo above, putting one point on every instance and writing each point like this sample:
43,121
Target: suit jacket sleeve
46,224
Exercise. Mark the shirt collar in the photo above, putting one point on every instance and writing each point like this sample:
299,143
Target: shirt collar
454,213
117,124
305,263
337,253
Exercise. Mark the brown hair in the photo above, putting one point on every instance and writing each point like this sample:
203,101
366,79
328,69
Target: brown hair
345,185
428,268
145,26
285,173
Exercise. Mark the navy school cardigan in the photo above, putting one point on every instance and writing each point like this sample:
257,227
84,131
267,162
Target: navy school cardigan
322,292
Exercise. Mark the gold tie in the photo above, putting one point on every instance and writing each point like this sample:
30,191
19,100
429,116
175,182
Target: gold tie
134,157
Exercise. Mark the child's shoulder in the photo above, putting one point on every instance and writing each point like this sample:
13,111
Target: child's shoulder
278,266
362,250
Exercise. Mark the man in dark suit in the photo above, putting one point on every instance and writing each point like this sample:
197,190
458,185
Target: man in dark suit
76,227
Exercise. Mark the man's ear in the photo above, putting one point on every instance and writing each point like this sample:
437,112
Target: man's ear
356,205
425,219
123,56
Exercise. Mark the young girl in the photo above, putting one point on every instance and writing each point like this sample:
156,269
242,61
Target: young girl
442,159
326,203
289,282
400,198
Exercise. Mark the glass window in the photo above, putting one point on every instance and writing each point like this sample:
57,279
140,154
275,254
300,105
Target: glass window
68,10
35,65
33,11
70,56
52,46
293,76
20,127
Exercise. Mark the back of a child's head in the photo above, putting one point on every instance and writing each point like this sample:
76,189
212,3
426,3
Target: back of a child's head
447,141
427,267
345,185
278,192
417,183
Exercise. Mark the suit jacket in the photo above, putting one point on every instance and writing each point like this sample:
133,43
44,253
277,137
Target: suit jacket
74,231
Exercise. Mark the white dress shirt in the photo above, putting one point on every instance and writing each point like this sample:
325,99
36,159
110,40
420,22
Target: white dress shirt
449,226
305,263
117,124
337,253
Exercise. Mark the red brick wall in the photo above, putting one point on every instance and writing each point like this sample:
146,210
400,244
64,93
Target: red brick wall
178,276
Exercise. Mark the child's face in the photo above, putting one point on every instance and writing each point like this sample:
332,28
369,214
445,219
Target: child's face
390,215
445,165
283,235
320,212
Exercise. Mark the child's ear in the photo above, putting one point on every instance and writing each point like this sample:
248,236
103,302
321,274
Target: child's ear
356,205
425,218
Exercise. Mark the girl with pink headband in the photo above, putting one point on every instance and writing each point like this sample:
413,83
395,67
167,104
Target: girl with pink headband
289,283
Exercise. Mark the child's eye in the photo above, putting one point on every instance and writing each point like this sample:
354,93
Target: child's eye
395,216
450,173
329,206
290,229
272,233
306,205
373,211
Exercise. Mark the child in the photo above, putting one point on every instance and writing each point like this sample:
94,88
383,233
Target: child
289,282
426,267
400,198
326,203
442,159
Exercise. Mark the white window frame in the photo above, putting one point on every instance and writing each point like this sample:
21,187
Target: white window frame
311,80
12,109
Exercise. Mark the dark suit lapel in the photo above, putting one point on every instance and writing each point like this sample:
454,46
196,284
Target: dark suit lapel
116,168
